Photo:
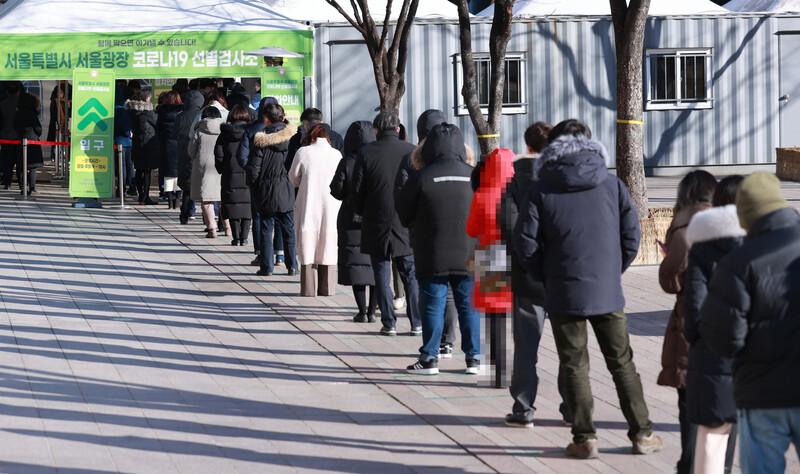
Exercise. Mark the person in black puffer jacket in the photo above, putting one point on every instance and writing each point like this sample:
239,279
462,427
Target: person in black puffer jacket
145,150
437,198
273,193
354,267
182,132
167,113
235,192
27,125
711,235
752,314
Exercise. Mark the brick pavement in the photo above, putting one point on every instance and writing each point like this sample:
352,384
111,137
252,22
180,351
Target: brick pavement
130,343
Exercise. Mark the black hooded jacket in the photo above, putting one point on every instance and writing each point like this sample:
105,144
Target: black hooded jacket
436,199
235,191
167,115
752,313
426,121
146,150
27,125
266,174
578,229
182,134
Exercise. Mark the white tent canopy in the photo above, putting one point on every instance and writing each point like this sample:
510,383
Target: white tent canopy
544,8
319,11
95,16
773,6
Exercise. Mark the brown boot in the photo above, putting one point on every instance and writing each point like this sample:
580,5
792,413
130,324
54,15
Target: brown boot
586,450
647,444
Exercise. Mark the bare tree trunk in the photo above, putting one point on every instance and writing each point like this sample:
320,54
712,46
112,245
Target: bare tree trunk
488,130
629,25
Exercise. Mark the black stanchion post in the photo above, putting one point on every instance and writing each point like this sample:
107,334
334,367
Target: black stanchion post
25,168
120,166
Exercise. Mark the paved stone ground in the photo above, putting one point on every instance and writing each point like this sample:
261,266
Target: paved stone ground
130,343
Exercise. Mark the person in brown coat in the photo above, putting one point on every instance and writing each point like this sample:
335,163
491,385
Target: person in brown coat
695,193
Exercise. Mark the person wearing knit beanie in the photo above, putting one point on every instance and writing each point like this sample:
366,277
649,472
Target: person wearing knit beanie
759,195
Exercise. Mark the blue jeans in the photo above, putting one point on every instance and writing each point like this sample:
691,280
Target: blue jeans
383,274
434,297
286,220
256,226
764,437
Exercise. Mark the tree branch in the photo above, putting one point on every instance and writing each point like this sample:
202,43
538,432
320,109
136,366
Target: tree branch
353,23
500,36
470,88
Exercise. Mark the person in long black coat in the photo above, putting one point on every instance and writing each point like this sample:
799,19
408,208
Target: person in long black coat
27,125
355,268
146,146
167,113
235,191
711,235
182,133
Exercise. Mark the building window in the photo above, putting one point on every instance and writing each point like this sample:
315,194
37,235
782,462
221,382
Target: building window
514,100
678,79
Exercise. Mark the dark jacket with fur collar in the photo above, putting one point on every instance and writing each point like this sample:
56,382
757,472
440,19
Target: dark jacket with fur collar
711,235
435,202
266,174
578,229
146,147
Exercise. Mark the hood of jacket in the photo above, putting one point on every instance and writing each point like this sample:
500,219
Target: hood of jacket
211,126
427,120
358,134
572,164
28,102
418,162
193,101
169,111
274,135
138,105
712,224
233,131
523,167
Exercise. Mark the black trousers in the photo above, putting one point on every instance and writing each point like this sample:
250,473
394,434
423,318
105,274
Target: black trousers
31,178
688,436
143,183
240,228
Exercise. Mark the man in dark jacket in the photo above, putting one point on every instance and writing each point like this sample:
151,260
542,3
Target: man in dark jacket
8,151
122,138
577,232
182,133
273,193
310,118
752,313
383,237
529,314
436,199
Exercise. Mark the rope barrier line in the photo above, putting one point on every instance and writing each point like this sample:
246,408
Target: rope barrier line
34,142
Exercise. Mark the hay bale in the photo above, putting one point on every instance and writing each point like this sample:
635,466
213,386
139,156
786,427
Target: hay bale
654,228
788,163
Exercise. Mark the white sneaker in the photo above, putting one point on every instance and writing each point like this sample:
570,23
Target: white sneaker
399,303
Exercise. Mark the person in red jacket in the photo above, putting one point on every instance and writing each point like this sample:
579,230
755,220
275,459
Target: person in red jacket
491,265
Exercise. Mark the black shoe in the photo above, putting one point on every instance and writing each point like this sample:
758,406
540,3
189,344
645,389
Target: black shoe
131,191
184,220
388,331
7,186
293,271
360,318
423,368
445,351
371,318
416,331
149,202
472,366
264,273
235,242
518,421
256,262
243,242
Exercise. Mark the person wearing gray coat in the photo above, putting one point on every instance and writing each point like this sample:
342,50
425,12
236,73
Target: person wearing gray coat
206,181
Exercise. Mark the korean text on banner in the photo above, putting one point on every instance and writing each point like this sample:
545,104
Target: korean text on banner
92,147
286,85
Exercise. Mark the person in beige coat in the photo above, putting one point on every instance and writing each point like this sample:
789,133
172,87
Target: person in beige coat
206,180
315,212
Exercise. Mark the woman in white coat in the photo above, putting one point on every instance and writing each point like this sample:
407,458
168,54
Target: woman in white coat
206,180
315,212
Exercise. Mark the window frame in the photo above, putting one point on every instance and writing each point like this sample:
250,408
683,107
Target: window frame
678,103
511,109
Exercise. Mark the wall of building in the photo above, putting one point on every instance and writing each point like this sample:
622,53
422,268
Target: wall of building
570,73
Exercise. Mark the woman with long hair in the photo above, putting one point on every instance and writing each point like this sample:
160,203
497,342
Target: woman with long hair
167,112
146,148
235,208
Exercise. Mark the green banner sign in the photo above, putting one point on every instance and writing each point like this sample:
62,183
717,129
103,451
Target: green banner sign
92,149
148,55
286,85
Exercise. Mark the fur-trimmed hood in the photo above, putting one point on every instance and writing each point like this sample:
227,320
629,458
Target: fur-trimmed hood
264,139
715,223
419,163
569,145
138,105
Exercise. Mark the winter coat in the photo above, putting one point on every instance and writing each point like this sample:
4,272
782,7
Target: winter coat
66,97
484,223
235,191
315,210
374,174
711,235
182,133
671,273
27,125
296,141
578,229
222,110
522,282
752,315
206,180
243,151
354,267
266,174
436,199
146,147
167,114
8,108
